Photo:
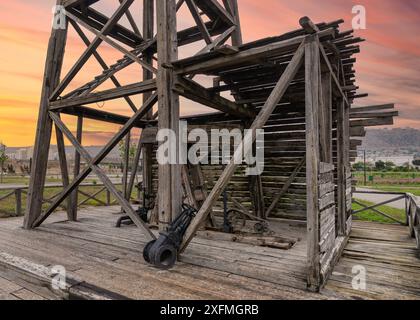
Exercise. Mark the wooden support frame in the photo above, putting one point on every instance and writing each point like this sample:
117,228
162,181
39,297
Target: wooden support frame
99,157
258,123
328,73
105,180
223,23
93,46
101,61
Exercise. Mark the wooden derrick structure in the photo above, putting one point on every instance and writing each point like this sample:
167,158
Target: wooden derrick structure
299,87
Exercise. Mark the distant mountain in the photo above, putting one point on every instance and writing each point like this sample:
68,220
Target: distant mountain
392,139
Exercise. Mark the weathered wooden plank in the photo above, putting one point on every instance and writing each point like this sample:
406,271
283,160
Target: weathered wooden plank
312,84
170,196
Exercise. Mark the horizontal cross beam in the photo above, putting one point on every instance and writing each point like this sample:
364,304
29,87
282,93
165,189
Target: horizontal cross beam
132,89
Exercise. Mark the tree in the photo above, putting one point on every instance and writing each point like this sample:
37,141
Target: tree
131,152
11,169
359,166
25,169
3,159
389,165
380,165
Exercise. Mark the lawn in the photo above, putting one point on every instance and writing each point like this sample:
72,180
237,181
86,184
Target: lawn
25,180
389,178
375,217
406,182
395,188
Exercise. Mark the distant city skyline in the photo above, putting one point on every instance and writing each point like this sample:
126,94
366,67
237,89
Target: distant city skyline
388,65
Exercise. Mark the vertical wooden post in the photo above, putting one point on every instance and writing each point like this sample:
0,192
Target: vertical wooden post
170,191
126,166
347,169
108,197
76,169
325,118
64,168
257,196
147,150
312,77
341,170
18,196
237,34
53,66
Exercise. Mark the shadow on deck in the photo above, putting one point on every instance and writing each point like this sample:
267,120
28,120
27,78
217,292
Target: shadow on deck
104,263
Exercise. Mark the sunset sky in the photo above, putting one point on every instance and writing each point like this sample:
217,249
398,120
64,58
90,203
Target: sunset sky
388,67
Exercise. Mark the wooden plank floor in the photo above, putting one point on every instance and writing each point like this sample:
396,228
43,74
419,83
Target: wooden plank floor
389,259
110,258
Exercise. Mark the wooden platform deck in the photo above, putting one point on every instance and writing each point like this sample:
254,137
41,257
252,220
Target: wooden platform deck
105,262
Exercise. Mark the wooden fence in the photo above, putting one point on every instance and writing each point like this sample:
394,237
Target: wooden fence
412,210
413,214
19,191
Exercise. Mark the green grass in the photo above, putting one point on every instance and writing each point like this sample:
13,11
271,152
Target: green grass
24,180
389,174
7,206
407,182
409,179
396,188
372,216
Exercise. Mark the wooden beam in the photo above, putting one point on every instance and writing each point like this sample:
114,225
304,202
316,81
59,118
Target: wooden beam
105,180
53,65
101,62
325,117
334,77
97,20
132,22
64,168
312,83
215,11
115,45
76,169
253,54
92,48
147,150
135,166
169,189
341,168
98,158
73,3
372,108
126,166
258,123
237,34
129,90
218,41
199,21
285,187
193,91
99,115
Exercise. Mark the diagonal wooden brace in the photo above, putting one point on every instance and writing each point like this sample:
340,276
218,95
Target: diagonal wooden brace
101,155
258,123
